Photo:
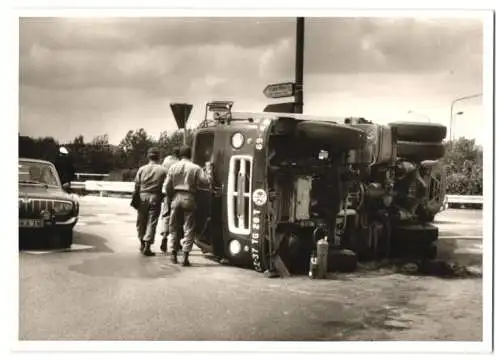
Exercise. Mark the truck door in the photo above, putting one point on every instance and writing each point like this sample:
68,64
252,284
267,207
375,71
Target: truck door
203,153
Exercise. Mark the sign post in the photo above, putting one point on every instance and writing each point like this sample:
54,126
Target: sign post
299,66
275,91
295,89
181,113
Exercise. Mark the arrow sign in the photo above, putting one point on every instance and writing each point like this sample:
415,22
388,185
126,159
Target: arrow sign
288,107
280,90
181,113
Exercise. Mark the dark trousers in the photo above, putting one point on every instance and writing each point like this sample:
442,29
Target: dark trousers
147,216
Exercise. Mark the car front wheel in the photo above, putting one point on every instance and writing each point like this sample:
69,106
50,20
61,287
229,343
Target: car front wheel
65,238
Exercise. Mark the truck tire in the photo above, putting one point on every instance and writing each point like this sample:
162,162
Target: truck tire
343,137
420,150
418,132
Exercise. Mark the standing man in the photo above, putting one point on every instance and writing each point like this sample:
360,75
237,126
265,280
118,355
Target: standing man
165,218
148,191
183,180
64,166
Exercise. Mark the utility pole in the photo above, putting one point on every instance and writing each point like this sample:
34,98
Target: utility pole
299,67
187,111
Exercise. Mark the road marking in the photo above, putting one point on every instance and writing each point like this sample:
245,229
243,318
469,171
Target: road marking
461,237
469,250
74,248
456,225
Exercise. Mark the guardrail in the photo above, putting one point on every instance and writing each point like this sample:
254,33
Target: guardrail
102,187
464,199
105,187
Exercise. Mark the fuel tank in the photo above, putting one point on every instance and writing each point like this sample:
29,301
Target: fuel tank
379,148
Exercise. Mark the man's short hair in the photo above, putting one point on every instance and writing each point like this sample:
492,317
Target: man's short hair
154,154
185,152
176,152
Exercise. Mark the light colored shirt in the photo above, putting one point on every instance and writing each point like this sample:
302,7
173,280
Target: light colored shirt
167,163
150,178
185,175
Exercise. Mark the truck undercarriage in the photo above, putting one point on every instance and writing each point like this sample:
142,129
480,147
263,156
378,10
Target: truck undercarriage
368,202
367,191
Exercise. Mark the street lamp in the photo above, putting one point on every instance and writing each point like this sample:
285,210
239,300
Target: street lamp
455,120
457,100
423,115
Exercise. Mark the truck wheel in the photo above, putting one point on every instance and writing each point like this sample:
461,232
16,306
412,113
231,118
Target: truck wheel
341,136
419,132
420,151
66,238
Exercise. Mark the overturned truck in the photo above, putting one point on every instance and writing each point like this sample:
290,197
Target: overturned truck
284,181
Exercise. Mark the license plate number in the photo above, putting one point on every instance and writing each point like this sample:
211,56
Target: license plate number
30,223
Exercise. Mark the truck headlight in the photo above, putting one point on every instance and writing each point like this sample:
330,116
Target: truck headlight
234,247
237,140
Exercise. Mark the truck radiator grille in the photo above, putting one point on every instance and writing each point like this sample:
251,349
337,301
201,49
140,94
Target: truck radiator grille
239,194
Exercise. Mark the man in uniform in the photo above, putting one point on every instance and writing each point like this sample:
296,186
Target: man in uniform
165,218
183,179
148,186
64,166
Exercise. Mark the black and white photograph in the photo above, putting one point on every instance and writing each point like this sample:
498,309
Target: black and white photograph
319,177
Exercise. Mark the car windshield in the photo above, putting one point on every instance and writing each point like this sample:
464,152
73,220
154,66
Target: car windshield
36,173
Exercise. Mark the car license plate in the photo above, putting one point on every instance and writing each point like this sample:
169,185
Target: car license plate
30,223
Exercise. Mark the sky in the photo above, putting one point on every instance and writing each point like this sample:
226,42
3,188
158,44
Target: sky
95,76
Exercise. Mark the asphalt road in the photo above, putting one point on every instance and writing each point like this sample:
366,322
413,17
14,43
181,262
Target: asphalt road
105,290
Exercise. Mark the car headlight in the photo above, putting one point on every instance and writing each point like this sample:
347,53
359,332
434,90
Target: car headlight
63,207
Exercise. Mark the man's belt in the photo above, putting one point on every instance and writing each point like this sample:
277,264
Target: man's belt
184,191
159,193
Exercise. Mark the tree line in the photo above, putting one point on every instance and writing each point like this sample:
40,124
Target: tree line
98,156
463,162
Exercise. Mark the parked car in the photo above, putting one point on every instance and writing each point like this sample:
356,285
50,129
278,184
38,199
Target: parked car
47,213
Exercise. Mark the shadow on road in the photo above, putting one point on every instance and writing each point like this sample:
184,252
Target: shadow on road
89,239
457,250
38,242
127,265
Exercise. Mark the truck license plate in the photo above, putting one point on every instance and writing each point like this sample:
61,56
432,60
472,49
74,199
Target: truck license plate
30,223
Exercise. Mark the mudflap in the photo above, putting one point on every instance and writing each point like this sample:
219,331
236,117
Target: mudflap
414,241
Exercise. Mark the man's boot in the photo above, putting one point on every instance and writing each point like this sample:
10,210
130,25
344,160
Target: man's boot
143,245
147,250
173,257
163,246
185,261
